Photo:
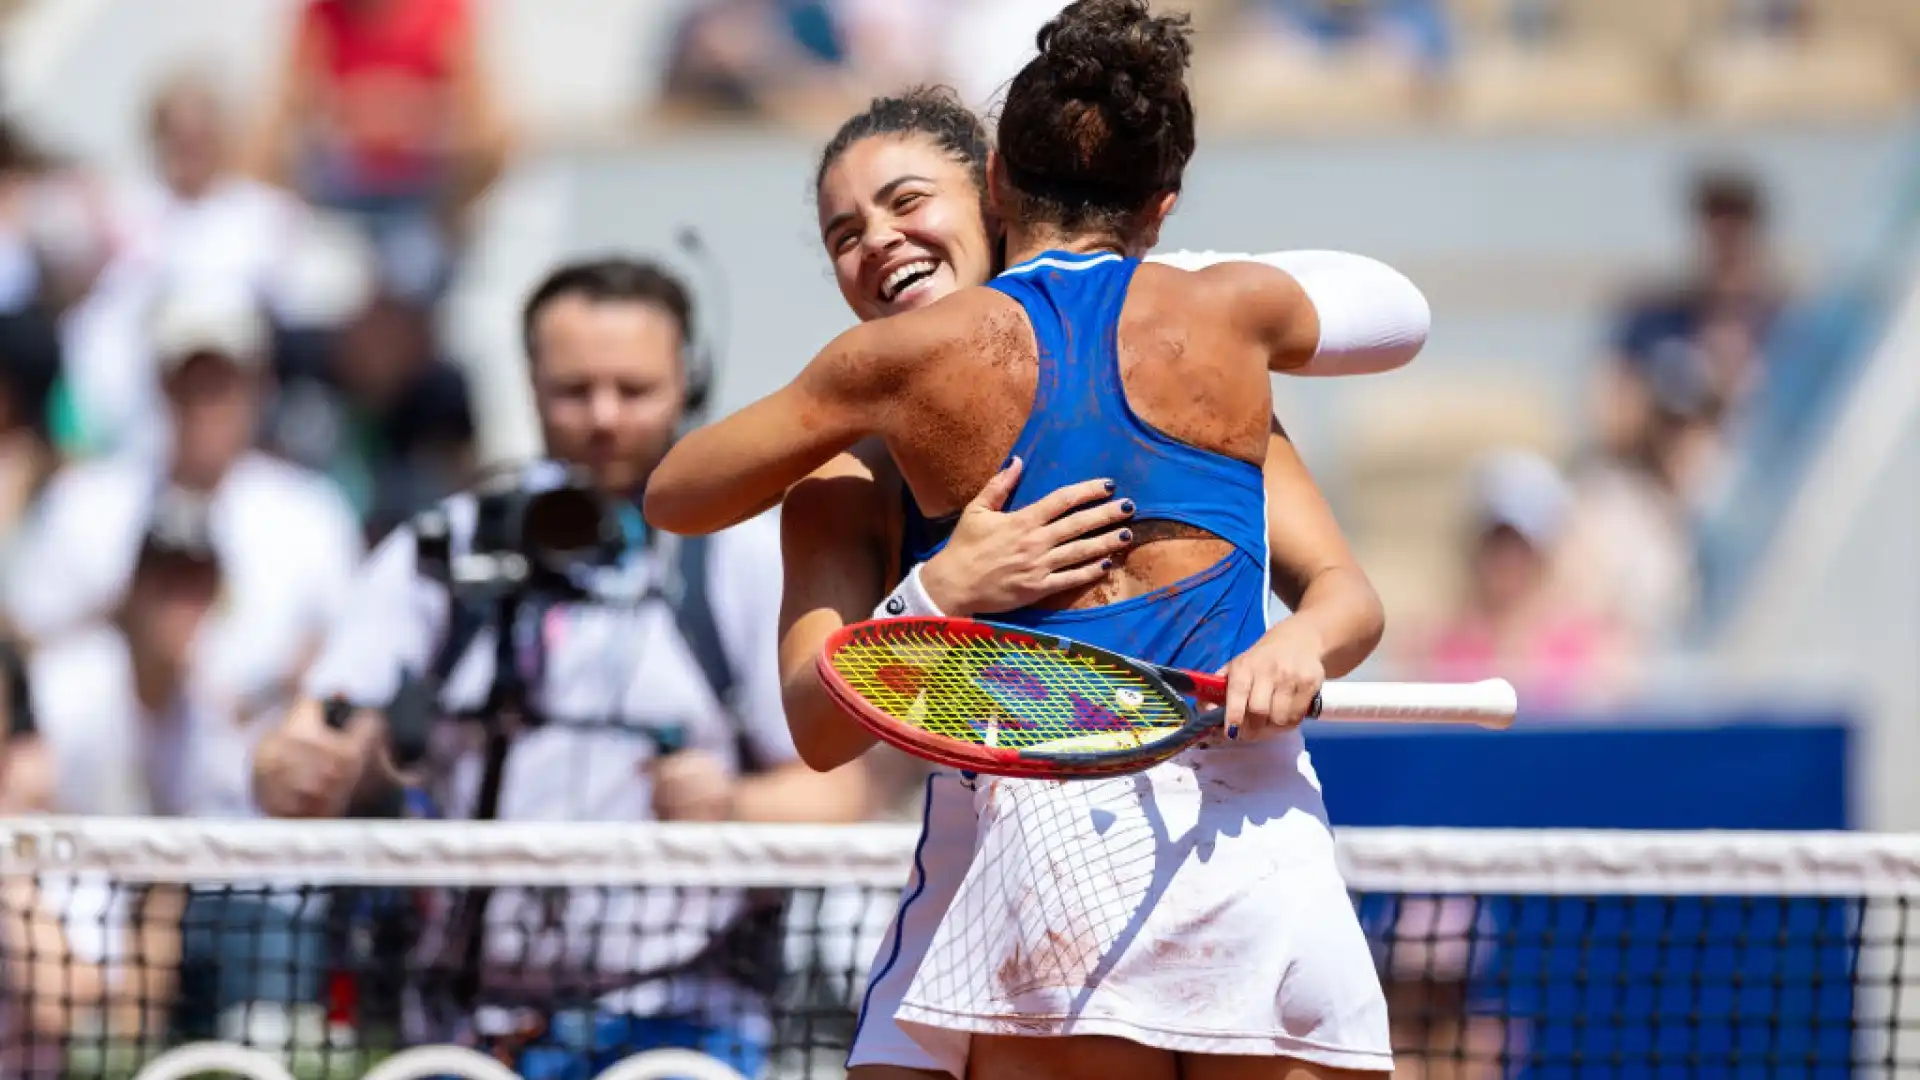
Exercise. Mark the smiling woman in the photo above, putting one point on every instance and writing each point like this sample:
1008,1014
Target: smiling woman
1082,362
904,227
901,192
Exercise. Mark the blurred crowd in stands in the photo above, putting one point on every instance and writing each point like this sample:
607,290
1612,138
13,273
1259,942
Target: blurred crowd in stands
244,337
252,328
1335,64
1579,573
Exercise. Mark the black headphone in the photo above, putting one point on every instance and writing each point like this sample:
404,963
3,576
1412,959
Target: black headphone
702,355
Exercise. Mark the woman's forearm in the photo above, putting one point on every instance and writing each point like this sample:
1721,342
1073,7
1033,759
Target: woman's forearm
1343,612
798,792
832,538
825,735
715,477
720,475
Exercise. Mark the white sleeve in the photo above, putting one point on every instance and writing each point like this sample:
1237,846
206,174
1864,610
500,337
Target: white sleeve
391,621
744,579
74,552
334,552
1372,318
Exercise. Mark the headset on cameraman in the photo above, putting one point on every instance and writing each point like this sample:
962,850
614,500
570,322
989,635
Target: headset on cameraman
682,582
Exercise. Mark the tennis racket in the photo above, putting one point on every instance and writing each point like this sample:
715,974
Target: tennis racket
1009,702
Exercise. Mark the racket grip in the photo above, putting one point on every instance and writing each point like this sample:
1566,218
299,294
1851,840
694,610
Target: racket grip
1490,703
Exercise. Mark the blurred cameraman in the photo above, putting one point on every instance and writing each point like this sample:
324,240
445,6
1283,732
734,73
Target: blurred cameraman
613,363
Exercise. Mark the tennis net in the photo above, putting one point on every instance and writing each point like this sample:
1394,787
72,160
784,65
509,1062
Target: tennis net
409,949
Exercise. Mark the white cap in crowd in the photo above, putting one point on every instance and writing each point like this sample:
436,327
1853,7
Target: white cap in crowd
1524,492
210,317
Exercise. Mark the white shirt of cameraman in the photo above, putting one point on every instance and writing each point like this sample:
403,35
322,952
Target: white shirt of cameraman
626,663
614,674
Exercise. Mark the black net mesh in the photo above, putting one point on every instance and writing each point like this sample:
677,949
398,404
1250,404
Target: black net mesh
117,949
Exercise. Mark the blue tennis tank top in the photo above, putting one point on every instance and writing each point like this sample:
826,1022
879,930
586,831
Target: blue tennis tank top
1081,427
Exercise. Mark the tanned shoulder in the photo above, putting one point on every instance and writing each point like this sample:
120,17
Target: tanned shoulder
1267,303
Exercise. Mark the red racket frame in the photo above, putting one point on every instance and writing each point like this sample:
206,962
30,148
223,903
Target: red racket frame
1177,684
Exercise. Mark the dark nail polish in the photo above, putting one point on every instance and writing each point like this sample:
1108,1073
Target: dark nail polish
1126,506
1109,487
1106,564
1126,536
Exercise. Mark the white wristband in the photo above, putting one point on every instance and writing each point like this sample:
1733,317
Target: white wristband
909,600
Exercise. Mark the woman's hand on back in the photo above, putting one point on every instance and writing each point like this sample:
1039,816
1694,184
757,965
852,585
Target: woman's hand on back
998,561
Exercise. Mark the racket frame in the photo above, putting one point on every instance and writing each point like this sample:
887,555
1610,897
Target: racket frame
1174,685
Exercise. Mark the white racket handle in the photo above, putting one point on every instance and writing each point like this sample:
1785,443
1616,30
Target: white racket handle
1490,703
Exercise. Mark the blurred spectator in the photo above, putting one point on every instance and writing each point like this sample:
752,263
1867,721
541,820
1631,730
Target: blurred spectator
21,272
54,237
29,366
121,704
1414,29
974,46
51,966
1511,621
384,113
1628,554
1687,357
66,942
383,416
195,219
778,59
1715,321
288,540
26,771
55,228
808,61
1435,958
131,730
1766,18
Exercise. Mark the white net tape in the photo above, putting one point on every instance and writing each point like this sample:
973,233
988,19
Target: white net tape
1584,862
1816,914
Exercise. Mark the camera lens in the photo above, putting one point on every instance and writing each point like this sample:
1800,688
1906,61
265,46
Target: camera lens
564,527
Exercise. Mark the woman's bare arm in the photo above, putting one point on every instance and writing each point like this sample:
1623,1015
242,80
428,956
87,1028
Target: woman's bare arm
1357,317
1337,618
831,542
720,474
1367,317
268,150
1314,570
482,136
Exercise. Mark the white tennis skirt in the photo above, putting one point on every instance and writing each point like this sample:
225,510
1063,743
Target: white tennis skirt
948,825
1196,907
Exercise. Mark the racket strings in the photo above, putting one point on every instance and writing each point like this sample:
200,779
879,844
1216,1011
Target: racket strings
1004,693
1056,886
